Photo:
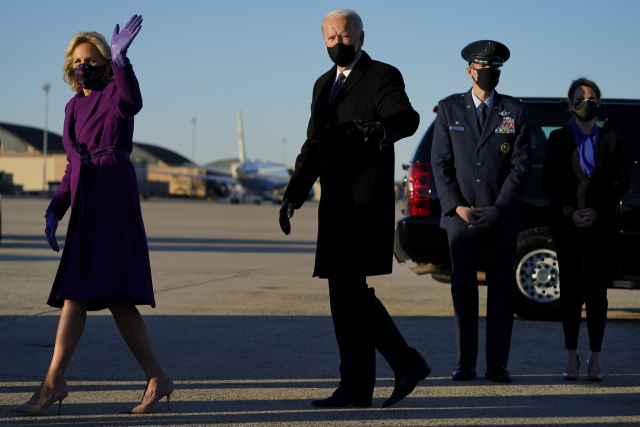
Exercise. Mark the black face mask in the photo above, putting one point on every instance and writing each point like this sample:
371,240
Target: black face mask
586,110
342,54
488,78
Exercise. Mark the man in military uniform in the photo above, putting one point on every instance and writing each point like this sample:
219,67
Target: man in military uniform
359,110
481,163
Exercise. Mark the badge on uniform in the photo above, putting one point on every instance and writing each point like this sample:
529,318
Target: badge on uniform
507,125
505,147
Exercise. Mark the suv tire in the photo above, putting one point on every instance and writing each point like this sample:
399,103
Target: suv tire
442,278
537,276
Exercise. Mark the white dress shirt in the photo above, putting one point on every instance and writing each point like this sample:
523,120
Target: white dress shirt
348,70
477,101
346,74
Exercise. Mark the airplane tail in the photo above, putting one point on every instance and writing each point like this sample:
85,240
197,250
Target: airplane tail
241,153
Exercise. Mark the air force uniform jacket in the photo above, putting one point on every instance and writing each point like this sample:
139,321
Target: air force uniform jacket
481,170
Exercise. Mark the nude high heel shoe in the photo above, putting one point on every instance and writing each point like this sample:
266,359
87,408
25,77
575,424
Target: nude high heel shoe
575,377
593,377
164,389
59,396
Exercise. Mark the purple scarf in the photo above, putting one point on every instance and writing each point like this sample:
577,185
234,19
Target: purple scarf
587,146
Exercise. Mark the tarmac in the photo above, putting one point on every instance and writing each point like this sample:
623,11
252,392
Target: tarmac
246,335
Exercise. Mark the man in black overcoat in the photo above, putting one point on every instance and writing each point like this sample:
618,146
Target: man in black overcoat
481,161
358,110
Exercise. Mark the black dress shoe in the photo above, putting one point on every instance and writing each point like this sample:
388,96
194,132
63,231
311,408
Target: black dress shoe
498,374
343,397
406,385
464,373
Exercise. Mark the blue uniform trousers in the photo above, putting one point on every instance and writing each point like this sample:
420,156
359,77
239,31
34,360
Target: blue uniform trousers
500,258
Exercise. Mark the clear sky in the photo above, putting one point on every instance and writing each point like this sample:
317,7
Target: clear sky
204,59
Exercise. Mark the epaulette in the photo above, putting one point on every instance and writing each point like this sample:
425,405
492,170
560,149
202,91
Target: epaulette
454,96
511,98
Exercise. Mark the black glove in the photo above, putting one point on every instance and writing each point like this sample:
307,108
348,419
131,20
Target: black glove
286,212
369,128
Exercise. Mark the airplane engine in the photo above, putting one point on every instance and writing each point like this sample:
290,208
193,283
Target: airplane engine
221,189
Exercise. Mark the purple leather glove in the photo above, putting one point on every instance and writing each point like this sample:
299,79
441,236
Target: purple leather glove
121,40
50,230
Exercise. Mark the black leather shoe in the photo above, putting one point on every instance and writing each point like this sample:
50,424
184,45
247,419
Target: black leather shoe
498,374
464,373
406,385
343,397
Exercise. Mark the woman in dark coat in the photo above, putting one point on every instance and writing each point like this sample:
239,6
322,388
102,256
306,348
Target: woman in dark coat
584,178
105,261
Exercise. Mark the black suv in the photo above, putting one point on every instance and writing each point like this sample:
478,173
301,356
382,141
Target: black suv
420,239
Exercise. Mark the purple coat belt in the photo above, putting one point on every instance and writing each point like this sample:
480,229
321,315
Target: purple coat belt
84,186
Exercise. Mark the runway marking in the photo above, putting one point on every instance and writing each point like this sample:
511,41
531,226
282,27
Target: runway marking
315,380
124,391
218,279
22,316
270,392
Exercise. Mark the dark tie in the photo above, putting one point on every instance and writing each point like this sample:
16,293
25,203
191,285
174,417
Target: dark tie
483,115
336,87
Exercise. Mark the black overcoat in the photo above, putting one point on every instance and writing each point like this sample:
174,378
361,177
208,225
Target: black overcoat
356,217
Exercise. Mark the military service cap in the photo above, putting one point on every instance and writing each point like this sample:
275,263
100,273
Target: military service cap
486,52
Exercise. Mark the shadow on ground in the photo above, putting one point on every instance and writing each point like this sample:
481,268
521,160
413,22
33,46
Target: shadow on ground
261,369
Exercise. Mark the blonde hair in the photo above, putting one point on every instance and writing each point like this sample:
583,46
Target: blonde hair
78,38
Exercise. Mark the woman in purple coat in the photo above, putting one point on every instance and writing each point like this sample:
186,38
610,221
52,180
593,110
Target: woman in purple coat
105,261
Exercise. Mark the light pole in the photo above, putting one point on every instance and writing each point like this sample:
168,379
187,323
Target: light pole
193,154
284,151
44,137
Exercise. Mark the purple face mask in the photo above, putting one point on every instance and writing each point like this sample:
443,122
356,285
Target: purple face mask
89,76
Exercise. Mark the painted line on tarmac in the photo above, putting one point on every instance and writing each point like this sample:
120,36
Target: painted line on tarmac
260,392
21,317
316,380
218,279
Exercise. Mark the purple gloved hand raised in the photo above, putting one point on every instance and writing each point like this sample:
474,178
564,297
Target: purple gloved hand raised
50,230
121,40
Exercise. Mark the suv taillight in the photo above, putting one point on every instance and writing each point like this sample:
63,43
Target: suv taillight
419,189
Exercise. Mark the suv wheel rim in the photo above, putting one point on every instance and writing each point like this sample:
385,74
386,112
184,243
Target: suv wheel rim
538,277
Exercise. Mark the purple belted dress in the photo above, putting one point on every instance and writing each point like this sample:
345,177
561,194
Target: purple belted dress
105,252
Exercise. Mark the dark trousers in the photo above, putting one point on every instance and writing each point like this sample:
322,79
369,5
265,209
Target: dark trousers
501,282
584,259
362,325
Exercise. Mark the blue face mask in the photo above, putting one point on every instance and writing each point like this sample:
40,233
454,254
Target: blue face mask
89,76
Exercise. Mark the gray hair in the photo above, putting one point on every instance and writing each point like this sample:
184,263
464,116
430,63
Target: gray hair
353,19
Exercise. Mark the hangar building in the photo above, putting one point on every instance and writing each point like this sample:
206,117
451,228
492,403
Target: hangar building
21,159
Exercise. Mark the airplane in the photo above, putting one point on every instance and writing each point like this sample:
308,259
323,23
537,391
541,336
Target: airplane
245,180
